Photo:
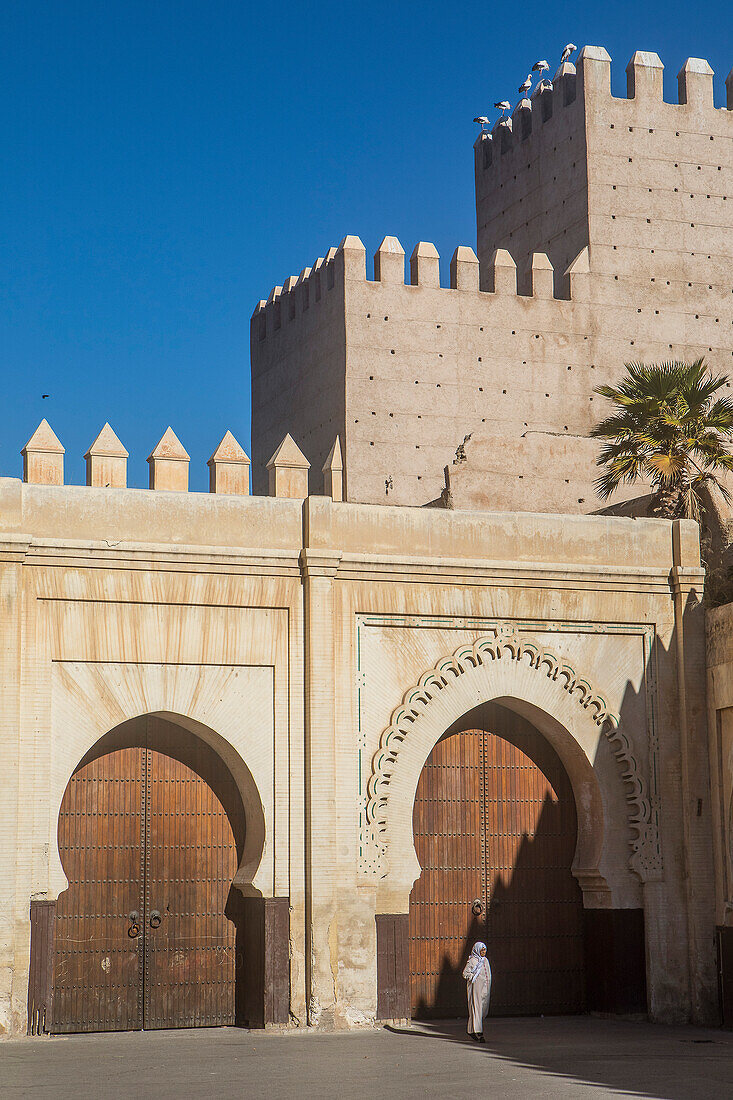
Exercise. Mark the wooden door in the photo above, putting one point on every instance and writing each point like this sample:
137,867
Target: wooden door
142,935
98,964
513,833
447,823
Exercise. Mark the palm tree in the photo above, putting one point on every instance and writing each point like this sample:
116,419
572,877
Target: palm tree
668,428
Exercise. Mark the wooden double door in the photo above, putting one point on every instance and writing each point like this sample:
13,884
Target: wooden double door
495,832
146,934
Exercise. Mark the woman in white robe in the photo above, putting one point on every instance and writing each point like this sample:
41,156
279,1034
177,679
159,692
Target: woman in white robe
478,988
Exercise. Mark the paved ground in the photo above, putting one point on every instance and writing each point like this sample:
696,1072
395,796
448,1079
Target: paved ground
568,1058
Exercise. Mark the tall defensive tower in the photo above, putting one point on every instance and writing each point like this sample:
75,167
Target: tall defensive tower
604,234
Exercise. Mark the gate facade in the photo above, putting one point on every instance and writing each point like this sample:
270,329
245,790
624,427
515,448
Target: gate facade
146,934
495,831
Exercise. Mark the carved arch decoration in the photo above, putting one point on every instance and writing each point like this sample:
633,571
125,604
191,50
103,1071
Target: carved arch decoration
508,647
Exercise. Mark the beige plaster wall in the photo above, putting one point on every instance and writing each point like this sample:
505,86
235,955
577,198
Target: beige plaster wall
720,728
125,602
289,633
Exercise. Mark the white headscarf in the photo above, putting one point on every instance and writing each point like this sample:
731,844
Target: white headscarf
474,961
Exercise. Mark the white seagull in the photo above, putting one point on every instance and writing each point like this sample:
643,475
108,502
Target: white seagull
569,49
524,88
503,105
540,67
482,121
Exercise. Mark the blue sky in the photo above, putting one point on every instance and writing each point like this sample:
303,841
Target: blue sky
165,164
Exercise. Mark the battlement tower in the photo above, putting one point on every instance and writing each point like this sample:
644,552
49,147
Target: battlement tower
644,184
605,234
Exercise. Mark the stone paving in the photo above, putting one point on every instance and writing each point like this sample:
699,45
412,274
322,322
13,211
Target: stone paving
568,1058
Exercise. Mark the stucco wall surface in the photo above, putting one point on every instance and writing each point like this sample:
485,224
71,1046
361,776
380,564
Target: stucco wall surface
293,636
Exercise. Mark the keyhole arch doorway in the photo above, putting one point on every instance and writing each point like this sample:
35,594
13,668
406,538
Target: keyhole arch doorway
496,831
150,932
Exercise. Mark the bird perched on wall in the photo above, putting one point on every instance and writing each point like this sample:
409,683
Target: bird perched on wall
524,88
569,49
540,67
482,121
503,105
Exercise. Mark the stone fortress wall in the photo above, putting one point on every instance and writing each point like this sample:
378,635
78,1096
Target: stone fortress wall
611,217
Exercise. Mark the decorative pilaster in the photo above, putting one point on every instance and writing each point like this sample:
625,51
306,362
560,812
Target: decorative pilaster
687,582
323,882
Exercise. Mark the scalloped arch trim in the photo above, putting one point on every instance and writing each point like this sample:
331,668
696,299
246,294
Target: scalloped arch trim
508,646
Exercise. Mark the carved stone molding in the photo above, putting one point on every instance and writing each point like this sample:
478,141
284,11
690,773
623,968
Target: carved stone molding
507,645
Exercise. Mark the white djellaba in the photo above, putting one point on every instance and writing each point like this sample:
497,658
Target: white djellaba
477,973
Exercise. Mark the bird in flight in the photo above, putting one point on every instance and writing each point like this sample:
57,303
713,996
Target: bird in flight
540,67
569,49
524,88
44,396
482,121
503,105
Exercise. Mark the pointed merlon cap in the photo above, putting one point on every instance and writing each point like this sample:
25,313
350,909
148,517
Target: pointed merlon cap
106,461
543,276
333,473
501,124
389,262
169,464
107,443
351,255
43,457
464,269
504,272
425,265
644,74
578,276
288,471
594,70
695,83
229,468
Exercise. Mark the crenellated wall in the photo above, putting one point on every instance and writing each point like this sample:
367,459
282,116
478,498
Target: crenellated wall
617,215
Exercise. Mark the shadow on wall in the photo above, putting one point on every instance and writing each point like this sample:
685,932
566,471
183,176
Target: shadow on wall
533,927
548,954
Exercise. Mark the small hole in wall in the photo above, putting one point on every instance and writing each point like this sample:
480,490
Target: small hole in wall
368,314
371,377
391,351
503,391
386,318
481,389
